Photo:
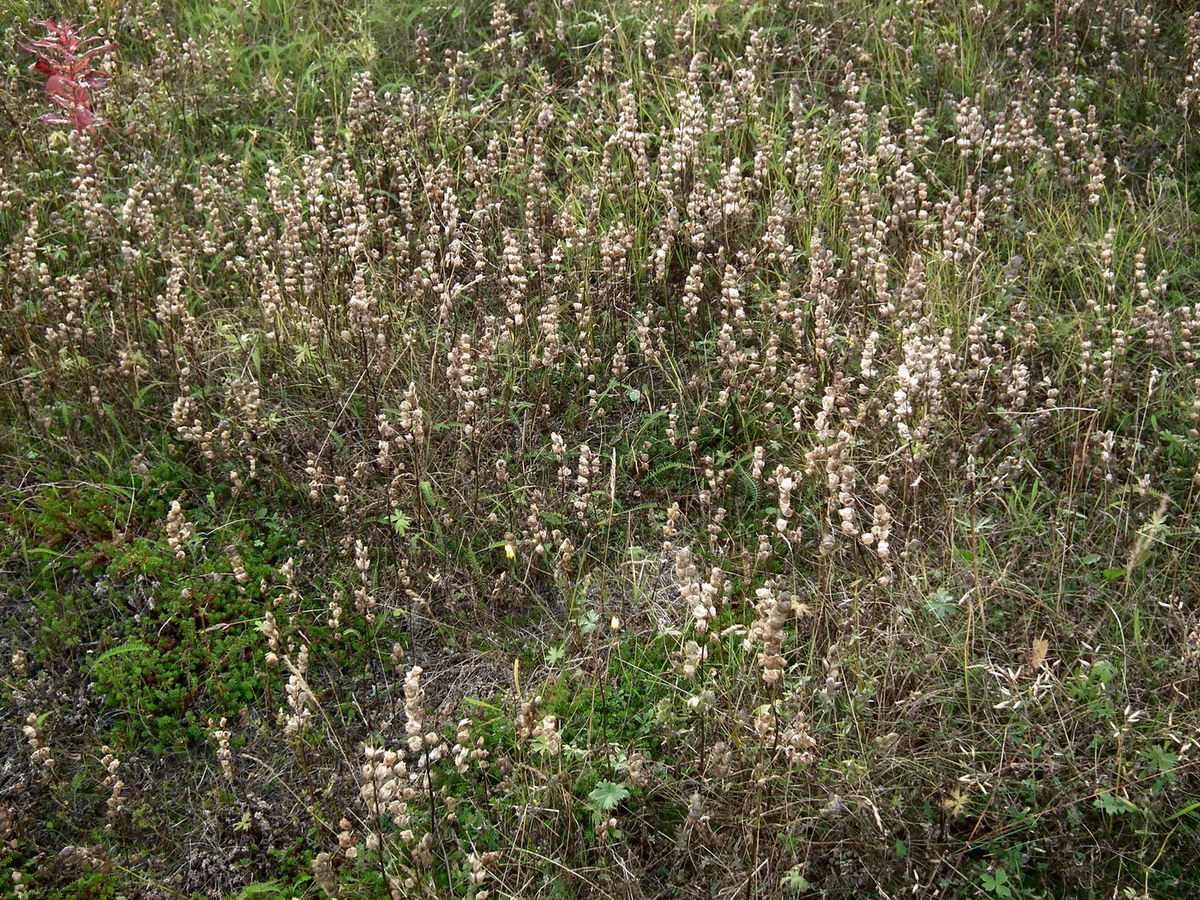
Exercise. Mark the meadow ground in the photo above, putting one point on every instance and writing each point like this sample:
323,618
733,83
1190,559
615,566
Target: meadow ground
632,449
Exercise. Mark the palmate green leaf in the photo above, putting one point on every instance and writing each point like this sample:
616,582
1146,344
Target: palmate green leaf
941,605
996,884
1113,805
304,353
607,795
400,522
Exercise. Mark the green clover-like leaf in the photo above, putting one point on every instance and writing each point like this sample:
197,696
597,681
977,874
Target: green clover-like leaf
606,795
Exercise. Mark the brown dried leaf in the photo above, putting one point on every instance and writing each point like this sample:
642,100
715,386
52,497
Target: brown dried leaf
1037,654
